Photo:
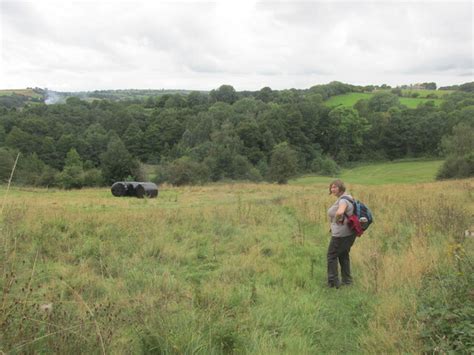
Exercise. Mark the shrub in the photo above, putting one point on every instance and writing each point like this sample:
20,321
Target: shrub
139,173
459,148
49,177
396,91
93,177
324,165
457,167
72,176
182,171
254,175
262,167
29,170
6,164
117,163
283,163
161,173
382,101
242,169
447,320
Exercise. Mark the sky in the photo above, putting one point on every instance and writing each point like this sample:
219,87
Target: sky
201,45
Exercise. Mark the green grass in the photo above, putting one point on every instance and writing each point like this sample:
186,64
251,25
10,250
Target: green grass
351,99
424,93
347,100
400,172
224,268
24,92
414,102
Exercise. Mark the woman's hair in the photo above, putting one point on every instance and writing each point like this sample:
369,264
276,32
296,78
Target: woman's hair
339,184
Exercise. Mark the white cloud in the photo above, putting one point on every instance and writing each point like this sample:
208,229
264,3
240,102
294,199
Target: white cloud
89,45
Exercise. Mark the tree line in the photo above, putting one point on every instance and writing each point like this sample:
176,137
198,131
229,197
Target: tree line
227,135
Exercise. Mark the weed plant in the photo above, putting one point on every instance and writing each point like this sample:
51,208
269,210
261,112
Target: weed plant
228,268
447,315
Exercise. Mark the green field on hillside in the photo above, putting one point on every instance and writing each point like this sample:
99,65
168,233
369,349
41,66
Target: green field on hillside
424,93
414,102
348,100
24,92
399,172
351,99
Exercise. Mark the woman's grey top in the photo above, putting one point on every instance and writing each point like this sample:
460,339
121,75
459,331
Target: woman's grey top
337,229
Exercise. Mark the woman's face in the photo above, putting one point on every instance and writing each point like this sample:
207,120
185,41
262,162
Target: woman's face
335,190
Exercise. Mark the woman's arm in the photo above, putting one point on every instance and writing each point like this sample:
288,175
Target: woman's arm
340,211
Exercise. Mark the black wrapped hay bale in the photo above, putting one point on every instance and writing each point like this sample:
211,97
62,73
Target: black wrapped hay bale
147,189
134,189
119,189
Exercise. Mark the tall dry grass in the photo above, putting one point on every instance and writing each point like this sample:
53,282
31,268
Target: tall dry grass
217,269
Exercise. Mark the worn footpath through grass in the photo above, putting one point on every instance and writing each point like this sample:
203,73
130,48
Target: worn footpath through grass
216,269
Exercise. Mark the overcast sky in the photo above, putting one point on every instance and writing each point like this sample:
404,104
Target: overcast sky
95,45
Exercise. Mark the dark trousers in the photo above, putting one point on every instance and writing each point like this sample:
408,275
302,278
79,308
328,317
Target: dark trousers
338,250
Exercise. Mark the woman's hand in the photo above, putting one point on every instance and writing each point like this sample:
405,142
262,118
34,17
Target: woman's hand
340,212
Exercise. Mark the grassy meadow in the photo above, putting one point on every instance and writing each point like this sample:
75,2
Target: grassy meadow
228,268
351,99
348,100
396,172
24,92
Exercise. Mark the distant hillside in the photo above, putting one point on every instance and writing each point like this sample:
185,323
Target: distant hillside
29,92
409,98
397,172
223,135
348,100
333,94
19,97
112,95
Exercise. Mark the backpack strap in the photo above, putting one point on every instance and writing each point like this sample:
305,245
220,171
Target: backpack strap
347,198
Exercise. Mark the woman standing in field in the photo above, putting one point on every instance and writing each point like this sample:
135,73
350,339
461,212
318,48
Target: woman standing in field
342,236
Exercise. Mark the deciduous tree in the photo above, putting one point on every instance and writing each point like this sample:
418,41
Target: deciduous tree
72,176
117,163
283,163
